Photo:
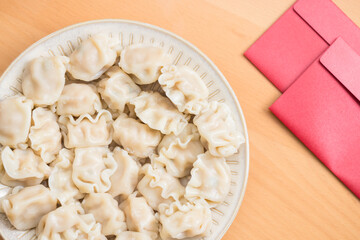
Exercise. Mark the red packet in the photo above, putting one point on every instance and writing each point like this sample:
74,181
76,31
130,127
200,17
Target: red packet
322,108
298,38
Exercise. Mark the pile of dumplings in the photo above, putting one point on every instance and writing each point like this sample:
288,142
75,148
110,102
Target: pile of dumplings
89,154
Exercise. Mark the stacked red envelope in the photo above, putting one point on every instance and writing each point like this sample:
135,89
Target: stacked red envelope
312,53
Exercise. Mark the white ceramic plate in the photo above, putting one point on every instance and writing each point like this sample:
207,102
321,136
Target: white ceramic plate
64,41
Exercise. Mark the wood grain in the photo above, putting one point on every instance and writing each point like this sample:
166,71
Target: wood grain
290,193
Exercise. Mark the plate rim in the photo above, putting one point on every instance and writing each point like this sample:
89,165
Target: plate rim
193,47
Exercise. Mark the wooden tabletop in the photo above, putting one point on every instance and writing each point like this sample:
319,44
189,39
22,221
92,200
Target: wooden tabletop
290,193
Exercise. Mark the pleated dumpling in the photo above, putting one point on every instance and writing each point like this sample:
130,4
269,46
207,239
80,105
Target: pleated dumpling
184,87
218,130
106,212
78,99
186,220
92,169
117,89
135,137
93,57
159,113
143,62
15,120
22,167
178,153
140,217
125,178
158,187
45,136
44,79
132,235
69,222
25,208
87,131
210,179
60,179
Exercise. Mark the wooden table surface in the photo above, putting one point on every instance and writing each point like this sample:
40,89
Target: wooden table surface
290,193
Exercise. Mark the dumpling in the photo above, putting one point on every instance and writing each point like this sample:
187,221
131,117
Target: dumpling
184,87
140,216
210,179
117,89
44,79
15,120
157,186
218,130
77,99
45,136
129,235
25,208
178,153
125,178
60,179
87,131
93,57
92,169
10,182
187,220
143,62
159,113
22,167
135,137
106,212
69,222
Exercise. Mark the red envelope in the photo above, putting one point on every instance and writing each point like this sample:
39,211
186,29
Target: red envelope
298,38
322,108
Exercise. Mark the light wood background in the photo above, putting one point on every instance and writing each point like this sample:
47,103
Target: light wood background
290,193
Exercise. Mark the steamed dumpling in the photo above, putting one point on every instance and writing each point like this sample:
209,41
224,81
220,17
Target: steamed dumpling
125,178
187,220
87,131
45,136
140,217
135,137
184,88
78,99
69,222
15,120
93,57
44,79
92,169
106,212
218,130
22,167
117,89
210,179
143,62
178,153
159,113
158,187
25,208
